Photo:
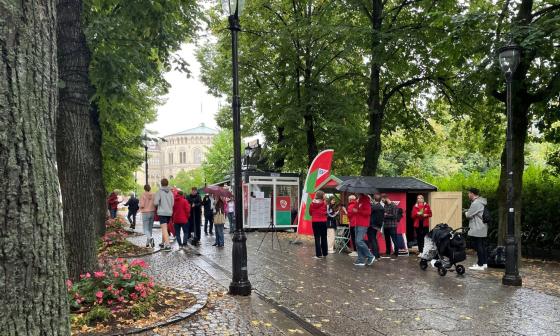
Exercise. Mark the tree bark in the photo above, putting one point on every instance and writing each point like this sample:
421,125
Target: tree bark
373,146
32,259
281,157
78,144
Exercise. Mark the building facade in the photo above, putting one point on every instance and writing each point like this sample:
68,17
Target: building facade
185,150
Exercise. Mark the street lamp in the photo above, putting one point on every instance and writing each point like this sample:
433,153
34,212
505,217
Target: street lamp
145,143
240,284
510,56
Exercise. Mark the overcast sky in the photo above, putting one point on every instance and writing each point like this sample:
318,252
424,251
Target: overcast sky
188,104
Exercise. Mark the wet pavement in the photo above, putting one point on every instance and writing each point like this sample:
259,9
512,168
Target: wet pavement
295,294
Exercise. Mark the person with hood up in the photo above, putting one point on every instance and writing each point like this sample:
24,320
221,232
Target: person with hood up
318,212
133,206
478,230
421,213
164,201
362,212
113,203
181,213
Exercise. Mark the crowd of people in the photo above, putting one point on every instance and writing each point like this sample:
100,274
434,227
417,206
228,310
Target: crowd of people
370,215
179,215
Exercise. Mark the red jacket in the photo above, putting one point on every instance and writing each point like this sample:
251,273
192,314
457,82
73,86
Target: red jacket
181,210
318,211
364,211
112,201
426,211
352,216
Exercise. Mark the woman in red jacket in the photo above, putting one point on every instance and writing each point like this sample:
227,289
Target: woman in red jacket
318,211
363,212
181,213
421,213
352,218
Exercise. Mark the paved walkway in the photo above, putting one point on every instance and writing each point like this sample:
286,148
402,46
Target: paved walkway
298,295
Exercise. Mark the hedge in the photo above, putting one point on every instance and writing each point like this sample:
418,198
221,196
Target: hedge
541,202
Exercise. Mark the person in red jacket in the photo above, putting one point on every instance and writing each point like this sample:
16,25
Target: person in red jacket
362,211
318,211
421,213
181,213
352,222
112,204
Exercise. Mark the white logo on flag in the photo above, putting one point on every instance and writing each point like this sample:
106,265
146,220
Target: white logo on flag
397,203
321,172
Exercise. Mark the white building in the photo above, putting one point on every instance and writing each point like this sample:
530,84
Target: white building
185,150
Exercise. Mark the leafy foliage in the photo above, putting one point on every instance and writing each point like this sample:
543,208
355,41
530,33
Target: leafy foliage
219,158
132,45
185,180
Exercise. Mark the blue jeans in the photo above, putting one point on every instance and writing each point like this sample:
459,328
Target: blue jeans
361,246
113,213
148,223
219,234
178,228
231,220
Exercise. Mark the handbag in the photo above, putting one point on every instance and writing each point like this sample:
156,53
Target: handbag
219,218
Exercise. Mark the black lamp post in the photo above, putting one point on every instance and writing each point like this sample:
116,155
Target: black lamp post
145,143
240,284
510,56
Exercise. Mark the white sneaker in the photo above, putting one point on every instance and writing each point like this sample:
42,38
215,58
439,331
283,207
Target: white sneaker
331,251
477,268
359,264
353,254
485,266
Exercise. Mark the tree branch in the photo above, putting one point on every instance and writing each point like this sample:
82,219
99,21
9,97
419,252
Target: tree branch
410,82
546,93
545,11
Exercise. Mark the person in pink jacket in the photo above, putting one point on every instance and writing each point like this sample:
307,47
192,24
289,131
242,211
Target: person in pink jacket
147,209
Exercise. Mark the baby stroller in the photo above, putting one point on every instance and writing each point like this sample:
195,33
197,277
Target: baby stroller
446,247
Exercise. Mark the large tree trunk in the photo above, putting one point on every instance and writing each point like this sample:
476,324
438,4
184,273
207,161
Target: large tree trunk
33,295
373,146
78,144
281,157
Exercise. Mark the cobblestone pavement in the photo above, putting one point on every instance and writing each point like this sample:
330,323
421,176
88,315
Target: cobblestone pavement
392,297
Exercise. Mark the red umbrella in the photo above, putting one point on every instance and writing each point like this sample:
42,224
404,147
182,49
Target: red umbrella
217,191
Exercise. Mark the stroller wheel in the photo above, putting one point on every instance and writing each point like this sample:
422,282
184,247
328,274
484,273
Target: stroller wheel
423,264
442,271
460,269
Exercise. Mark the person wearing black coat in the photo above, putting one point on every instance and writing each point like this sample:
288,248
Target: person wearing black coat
195,219
208,214
133,206
375,224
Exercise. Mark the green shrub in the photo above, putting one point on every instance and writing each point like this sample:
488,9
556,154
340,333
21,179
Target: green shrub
541,198
97,314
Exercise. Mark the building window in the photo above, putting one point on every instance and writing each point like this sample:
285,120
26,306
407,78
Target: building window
183,157
197,156
170,159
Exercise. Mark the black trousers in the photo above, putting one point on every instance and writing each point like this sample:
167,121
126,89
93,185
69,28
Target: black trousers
132,214
421,232
481,251
372,241
390,233
195,221
353,237
208,221
320,234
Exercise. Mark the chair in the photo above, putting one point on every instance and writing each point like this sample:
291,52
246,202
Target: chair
342,238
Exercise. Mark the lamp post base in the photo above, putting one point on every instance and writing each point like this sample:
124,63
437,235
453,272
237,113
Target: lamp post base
240,284
512,280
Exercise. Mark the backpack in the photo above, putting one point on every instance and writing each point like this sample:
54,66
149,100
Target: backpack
486,216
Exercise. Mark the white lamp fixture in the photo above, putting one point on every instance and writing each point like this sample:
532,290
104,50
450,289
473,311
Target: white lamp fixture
233,7
509,56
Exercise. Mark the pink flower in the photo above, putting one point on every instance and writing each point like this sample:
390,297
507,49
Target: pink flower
88,275
124,268
99,275
127,276
151,284
138,262
133,296
99,294
110,302
69,284
121,298
139,287
116,274
144,294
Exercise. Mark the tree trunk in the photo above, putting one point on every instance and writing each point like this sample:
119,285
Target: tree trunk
373,147
32,259
78,144
281,157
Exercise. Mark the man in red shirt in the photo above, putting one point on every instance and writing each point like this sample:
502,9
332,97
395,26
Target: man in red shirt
362,212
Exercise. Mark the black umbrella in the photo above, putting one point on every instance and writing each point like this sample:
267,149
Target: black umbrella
358,185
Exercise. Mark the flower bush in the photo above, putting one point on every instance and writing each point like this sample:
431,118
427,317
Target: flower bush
120,285
114,242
